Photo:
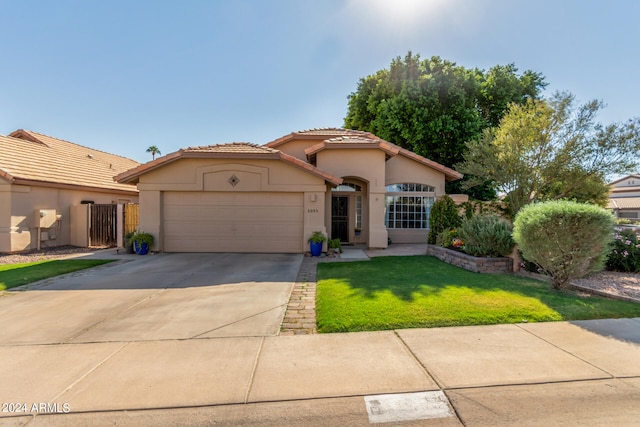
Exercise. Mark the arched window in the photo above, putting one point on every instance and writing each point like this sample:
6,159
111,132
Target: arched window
408,205
347,186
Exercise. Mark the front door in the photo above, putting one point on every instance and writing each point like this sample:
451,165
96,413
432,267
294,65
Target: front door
340,218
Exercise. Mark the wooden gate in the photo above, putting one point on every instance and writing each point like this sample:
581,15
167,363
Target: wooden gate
131,217
103,226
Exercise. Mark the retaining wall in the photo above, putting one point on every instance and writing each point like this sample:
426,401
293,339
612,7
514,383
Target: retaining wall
471,263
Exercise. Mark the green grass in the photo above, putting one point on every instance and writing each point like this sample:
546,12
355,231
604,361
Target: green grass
418,291
12,275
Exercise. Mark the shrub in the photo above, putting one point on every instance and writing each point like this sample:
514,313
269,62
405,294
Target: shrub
444,216
567,239
448,239
486,235
625,252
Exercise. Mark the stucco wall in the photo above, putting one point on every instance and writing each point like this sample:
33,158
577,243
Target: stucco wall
401,169
214,175
19,203
369,166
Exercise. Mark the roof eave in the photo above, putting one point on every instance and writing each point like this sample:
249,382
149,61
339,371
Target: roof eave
50,184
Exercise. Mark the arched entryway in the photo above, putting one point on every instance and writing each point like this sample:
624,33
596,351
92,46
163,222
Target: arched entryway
349,211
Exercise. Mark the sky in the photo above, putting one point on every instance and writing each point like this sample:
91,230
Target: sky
121,76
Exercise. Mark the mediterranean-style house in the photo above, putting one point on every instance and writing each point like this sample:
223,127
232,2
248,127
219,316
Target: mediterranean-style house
242,197
624,198
42,177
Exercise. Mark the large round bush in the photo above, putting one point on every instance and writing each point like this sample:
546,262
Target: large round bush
567,239
486,235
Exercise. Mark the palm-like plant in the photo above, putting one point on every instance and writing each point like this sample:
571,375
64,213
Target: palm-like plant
153,150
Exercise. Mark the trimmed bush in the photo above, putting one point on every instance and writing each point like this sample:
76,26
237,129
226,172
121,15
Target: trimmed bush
444,216
486,235
625,252
567,239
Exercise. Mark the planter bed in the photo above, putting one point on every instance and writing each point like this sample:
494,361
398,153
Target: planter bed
471,263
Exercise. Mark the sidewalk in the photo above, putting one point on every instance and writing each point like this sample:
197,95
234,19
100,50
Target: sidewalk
462,365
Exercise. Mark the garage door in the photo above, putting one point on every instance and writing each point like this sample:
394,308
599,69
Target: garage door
233,222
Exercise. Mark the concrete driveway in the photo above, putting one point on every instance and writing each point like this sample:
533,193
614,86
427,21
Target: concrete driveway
157,297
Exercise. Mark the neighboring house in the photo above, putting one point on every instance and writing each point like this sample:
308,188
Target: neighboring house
242,197
624,198
41,173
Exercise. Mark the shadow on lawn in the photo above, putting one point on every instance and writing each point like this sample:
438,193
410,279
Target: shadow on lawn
410,277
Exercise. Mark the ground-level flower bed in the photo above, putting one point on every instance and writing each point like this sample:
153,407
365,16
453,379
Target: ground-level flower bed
471,263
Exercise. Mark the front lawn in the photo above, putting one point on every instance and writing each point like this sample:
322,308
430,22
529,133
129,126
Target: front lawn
420,291
12,275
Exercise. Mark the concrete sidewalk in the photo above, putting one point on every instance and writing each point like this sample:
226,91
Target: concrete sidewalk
480,373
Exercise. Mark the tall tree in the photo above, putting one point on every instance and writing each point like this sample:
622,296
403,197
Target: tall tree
552,149
434,106
153,150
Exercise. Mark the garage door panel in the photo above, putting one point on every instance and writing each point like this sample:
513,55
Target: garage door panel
233,222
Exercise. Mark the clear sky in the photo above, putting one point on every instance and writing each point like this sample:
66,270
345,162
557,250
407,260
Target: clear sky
121,76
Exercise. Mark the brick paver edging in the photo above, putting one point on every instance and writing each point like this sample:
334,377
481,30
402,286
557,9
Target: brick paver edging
300,317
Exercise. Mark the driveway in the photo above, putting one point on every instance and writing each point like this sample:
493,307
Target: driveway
156,297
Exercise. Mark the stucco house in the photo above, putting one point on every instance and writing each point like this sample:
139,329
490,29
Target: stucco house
624,198
242,197
42,177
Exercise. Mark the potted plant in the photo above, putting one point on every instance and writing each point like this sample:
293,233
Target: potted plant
358,231
128,242
142,242
315,242
334,246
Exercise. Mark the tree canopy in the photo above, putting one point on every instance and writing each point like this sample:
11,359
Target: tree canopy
432,107
552,149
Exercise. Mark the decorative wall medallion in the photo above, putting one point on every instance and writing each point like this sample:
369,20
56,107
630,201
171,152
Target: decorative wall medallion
234,180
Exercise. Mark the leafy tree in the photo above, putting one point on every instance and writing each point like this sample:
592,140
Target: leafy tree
567,239
153,150
432,107
552,149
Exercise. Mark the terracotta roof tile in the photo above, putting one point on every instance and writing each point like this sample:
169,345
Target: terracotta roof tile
231,150
317,133
338,135
234,147
31,156
624,203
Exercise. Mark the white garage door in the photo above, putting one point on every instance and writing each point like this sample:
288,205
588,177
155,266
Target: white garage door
233,222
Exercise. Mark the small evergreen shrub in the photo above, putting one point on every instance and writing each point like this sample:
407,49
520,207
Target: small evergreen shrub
625,252
486,235
567,239
444,216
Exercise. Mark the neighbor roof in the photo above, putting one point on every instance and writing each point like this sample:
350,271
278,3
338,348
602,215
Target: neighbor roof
31,158
633,176
624,203
234,150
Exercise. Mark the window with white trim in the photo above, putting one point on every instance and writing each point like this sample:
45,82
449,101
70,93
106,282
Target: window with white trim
408,205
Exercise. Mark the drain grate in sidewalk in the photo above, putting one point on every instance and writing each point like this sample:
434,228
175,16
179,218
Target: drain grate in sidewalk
390,408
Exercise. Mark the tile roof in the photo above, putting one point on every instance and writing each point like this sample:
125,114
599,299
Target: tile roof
624,203
233,147
316,133
29,157
235,150
358,138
